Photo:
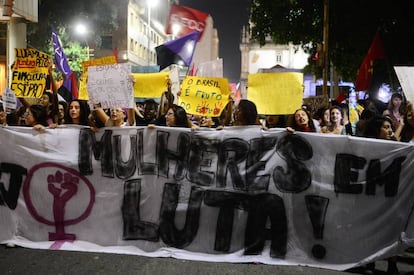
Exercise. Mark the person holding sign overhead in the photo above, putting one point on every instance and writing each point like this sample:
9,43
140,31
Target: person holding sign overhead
118,116
49,100
166,100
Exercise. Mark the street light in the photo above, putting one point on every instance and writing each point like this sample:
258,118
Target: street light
82,30
150,4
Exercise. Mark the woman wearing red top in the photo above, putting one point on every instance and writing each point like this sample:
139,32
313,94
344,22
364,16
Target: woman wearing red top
302,122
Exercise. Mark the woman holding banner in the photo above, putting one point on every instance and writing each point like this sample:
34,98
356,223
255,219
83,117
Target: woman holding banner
78,113
176,116
407,131
381,127
36,117
302,122
245,113
337,124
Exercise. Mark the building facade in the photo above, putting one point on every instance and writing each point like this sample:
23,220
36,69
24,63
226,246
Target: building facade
142,28
13,18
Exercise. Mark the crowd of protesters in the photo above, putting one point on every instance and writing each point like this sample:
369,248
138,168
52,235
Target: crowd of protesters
393,122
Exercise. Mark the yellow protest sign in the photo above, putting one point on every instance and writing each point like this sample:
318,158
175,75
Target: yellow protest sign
150,85
83,85
29,73
276,93
206,96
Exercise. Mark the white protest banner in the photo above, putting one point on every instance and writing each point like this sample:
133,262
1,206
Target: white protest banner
236,195
405,75
111,85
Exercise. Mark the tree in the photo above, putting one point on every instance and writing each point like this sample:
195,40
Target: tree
101,16
352,26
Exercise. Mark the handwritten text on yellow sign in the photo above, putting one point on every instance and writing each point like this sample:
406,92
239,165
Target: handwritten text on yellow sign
29,73
206,96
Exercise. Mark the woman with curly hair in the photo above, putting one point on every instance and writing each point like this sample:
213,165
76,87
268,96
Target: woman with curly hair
78,113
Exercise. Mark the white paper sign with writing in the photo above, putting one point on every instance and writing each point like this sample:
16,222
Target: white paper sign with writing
405,75
111,85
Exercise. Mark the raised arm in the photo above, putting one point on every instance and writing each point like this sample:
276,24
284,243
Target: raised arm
24,102
55,101
131,116
101,115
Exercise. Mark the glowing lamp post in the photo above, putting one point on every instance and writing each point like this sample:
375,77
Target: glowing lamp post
82,30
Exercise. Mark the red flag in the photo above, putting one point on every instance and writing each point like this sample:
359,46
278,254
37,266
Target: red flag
364,77
75,92
341,97
115,53
184,20
193,71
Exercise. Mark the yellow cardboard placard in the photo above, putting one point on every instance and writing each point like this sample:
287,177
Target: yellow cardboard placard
150,85
29,73
206,96
276,93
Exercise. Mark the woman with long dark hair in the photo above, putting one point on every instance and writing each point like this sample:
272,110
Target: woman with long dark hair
337,123
78,113
176,116
36,117
245,113
302,122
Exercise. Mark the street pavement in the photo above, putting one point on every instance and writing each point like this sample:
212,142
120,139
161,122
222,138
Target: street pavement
26,261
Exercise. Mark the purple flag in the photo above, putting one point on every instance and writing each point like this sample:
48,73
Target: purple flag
60,57
177,51
62,63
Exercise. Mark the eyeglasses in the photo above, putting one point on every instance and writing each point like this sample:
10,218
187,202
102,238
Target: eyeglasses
117,111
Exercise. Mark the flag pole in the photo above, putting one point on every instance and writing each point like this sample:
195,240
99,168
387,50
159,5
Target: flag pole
325,47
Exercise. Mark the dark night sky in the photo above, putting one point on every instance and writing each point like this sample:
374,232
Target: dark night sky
229,16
